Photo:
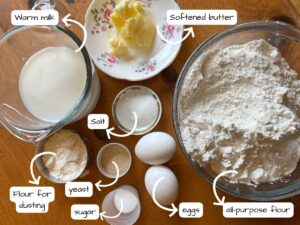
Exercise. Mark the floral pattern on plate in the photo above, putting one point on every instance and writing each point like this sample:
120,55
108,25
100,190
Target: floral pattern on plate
102,17
146,67
148,3
169,31
108,60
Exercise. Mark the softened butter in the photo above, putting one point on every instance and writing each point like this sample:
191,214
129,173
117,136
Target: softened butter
133,25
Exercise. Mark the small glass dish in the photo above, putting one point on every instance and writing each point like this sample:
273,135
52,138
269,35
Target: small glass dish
44,171
287,39
109,207
125,95
109,148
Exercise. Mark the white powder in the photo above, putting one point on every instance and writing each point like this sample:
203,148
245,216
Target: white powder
118,154
143,102
71,155
240,109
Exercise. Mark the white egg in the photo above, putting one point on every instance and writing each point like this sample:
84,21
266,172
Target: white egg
155,148
167,188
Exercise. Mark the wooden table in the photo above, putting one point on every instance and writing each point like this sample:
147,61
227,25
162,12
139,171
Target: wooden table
15,155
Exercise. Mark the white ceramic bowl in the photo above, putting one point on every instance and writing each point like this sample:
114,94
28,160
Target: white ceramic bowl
100,30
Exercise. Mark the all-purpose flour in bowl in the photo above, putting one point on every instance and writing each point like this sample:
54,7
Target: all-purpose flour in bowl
239,109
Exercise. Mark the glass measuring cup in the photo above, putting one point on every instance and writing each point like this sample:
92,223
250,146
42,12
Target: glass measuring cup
16,47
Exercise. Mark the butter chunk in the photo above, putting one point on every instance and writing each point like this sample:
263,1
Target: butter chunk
133,25
118,48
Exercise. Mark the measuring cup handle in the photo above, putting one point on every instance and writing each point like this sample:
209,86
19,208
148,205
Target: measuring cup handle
10,123
24,135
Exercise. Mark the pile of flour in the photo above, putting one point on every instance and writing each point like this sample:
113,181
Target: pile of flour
71,155
239,109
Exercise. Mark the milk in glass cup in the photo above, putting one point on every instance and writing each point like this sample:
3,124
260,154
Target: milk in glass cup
45,84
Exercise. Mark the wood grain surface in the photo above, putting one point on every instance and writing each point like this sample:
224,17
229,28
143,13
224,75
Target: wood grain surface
15,155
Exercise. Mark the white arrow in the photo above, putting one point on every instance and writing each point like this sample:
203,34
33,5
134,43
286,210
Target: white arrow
190,31
109,131
36,181
220,202
173,210
103,214
66,21
99,185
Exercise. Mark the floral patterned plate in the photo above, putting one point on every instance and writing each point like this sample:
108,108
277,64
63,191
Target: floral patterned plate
100,30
